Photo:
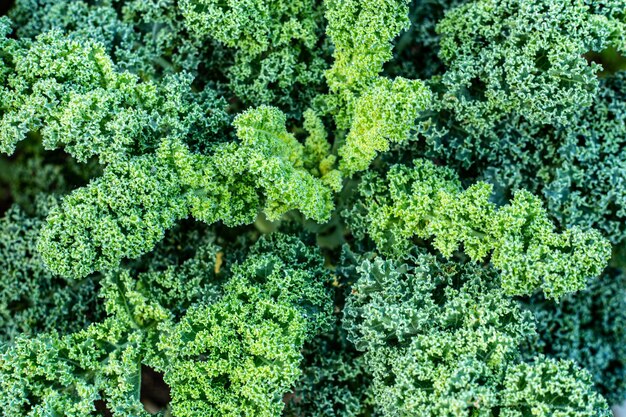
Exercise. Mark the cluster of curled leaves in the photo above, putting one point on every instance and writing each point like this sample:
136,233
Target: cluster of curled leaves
343,208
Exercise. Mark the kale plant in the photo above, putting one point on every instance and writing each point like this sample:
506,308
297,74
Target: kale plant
351,208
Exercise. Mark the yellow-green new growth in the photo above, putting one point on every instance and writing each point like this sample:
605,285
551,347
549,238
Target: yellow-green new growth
384,114
428,202
276,159
375,109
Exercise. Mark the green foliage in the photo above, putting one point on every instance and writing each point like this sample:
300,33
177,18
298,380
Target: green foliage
71,93
230,354
557,129
147,134
577,169
32,300
385,113
334,380
97,21
589,328
442,338
428,202
548,387
585,187
275,157
148,38
161,156
362,33
51,374
121,214
124,213
277,46
235,369
202,281
521,59
264,52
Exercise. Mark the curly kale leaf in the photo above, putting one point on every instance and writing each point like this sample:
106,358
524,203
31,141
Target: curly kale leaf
376,110
121,214
442,338
240,354
428,202
589,328
275,158
384,113
32,300
524,59
361,32
278,53
71,93
231,353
